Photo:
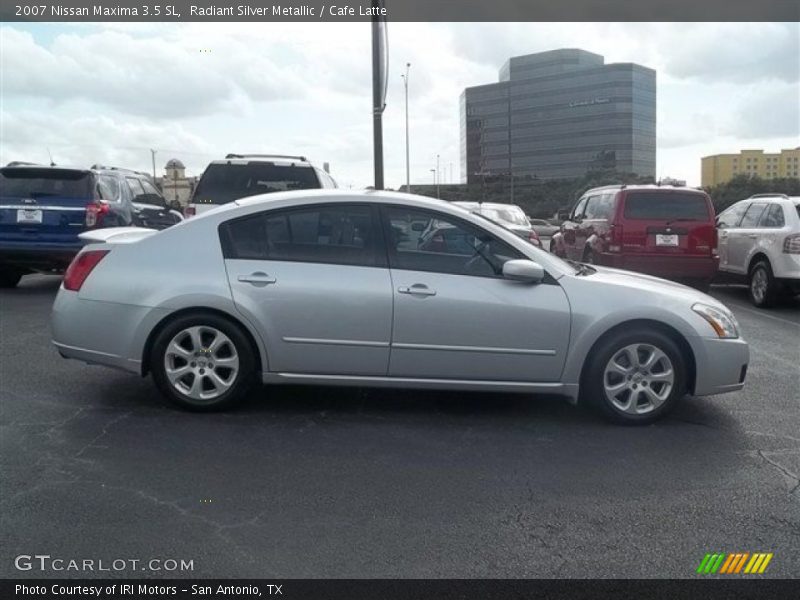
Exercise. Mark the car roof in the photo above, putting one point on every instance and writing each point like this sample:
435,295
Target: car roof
645,187
278,159
34,166
478,205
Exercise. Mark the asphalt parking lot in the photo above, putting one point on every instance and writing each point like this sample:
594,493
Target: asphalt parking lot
345,482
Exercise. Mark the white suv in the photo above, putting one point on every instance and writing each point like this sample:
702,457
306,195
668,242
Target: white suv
242,175
759,238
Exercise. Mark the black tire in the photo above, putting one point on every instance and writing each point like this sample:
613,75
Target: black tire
240,383
9,277
761,275
594,377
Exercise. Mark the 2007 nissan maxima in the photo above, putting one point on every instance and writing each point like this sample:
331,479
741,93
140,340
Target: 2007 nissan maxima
385,289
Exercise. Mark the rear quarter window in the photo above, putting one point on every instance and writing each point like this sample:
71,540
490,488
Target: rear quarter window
666,206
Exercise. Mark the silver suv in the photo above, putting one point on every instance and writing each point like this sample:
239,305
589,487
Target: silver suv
759,239
242,175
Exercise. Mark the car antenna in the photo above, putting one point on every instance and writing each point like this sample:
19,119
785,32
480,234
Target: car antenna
52,164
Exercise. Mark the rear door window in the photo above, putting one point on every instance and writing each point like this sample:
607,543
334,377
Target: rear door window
341,234
772,217
666,206
222,183
753,214
108,187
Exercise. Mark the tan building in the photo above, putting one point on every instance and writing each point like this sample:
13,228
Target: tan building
175,185
720,168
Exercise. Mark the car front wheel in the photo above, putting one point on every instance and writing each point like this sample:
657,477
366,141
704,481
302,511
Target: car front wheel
203,362
635,377
763,287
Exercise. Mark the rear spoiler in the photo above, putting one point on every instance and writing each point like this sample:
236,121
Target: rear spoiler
116,235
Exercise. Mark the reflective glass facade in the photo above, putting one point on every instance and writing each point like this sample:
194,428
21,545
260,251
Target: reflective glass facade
559,114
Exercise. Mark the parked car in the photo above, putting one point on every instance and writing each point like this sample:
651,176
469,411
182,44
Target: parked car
242,175
44,208
510,216
150,209
659,230
759,241
543,228
325,287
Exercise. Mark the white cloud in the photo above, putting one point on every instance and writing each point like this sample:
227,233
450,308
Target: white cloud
109,92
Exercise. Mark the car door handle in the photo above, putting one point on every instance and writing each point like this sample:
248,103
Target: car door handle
258,279
418,289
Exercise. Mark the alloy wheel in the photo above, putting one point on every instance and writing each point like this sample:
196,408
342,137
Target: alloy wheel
638,379
201,363
758,284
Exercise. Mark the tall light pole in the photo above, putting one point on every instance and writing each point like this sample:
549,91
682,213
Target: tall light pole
408,169
438,176
435,182
153,155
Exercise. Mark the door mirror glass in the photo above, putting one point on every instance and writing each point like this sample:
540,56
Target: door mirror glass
523,270
563,215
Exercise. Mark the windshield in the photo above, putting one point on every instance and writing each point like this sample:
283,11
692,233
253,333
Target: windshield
512,215
34,183
223,183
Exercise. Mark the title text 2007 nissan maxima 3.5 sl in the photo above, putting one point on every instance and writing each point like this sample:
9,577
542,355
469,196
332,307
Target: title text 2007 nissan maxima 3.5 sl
385,289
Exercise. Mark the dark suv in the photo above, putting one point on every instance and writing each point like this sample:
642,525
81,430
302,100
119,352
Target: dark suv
149,207
43,209
664,231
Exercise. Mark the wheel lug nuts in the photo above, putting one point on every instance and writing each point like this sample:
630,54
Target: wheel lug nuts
202,371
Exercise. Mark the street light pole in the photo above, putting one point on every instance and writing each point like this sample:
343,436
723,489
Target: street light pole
408,169
153,154
435,182
438,176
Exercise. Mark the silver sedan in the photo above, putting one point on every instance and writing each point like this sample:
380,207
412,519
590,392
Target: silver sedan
384,289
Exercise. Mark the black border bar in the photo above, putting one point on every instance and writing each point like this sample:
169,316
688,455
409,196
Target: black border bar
400,10
740,588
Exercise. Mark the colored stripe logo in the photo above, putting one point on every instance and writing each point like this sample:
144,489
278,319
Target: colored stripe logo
735,563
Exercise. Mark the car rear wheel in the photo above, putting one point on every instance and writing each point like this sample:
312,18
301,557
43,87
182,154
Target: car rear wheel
635,377
763,287
203,362
10,277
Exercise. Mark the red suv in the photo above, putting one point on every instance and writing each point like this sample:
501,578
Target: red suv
663,231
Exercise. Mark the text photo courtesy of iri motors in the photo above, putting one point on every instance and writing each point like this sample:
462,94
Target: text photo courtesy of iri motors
405,303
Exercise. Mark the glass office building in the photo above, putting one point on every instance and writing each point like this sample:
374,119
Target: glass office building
559,114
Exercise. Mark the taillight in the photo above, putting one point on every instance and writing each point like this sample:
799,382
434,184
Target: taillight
95,212
189,211
715,244
615,241
791,244
80,267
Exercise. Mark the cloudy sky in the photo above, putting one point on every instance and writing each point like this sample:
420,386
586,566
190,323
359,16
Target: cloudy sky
109,92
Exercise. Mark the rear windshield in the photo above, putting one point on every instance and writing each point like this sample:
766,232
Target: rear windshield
669,206
35,183
515,216
223,183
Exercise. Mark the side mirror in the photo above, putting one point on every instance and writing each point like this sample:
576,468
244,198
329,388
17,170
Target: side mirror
523,270
563,215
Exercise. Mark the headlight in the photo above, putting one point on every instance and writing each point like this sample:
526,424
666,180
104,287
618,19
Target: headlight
723,323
